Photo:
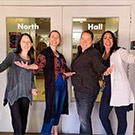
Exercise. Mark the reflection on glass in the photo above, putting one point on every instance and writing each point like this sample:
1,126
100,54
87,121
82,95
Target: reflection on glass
97,26
39,29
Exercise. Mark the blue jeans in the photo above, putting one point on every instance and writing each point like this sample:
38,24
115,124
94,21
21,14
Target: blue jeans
60,96
104,112
85,105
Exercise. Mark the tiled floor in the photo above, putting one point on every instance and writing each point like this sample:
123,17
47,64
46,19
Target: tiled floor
39,134
32,134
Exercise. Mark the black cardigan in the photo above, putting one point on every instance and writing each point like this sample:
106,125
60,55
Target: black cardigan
49,74
87,65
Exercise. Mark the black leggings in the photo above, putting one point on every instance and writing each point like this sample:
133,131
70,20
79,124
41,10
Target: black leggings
104,113
19,113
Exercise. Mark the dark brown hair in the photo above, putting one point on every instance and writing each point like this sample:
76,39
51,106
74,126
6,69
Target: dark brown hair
89,32
114,47
30,52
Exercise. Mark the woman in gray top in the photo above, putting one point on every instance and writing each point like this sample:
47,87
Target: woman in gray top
20,83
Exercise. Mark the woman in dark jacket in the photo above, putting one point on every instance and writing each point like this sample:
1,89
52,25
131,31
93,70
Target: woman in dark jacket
87,64
54,67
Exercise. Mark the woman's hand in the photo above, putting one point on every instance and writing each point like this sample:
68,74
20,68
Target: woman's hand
109,70
67,74
26,66
34,92
22,64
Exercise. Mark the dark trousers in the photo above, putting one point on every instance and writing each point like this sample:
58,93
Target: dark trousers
85,105
104,112
60,97
19,113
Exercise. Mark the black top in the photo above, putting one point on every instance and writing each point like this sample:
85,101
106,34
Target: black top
107,89
87,65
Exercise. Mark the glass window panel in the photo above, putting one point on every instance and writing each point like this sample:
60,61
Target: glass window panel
97,26
39,29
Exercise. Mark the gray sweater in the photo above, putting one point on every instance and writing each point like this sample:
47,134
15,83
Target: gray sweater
20,81
87,65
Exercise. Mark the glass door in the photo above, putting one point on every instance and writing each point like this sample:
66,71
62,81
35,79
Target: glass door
97,19
38,22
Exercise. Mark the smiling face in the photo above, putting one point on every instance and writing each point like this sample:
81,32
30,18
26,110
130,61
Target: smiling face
86,41
108,41
25,43
54,39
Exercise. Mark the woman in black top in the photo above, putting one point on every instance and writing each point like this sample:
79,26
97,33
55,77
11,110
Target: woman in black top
117,93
